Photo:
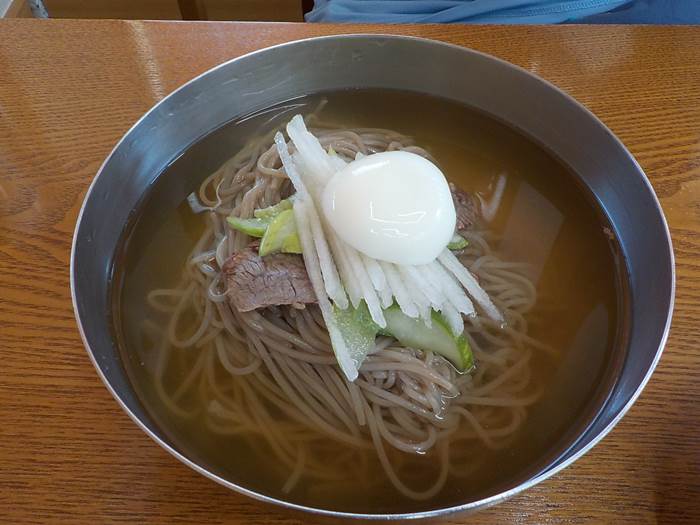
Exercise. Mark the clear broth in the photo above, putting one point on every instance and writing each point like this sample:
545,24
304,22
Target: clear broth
546,218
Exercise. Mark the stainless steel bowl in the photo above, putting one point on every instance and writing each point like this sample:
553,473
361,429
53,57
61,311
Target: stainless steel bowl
264,78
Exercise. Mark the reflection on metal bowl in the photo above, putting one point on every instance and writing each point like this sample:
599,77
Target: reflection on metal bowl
262,79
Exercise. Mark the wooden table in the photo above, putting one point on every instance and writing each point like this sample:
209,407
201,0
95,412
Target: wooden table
70,89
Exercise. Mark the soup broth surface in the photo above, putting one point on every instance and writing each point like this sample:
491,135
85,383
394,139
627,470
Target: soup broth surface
545,218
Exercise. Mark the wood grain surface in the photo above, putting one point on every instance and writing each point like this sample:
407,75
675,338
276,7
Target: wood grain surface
70,89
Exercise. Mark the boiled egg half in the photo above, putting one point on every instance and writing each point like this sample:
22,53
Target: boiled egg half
394,206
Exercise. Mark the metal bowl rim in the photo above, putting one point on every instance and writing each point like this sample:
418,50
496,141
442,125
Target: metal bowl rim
474,505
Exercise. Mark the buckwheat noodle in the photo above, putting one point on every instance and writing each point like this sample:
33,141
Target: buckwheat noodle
270,377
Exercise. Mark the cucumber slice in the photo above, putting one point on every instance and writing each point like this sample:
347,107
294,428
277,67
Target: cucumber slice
252,227
271,212
457,243
275,224
438,338
281,235
358,330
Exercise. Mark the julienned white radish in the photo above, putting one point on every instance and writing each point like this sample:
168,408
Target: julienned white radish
347,274
308,146
289,167
386,297
451,288
403,298
426,272
375,272
454,319
299,163
333,286
316,160
379,281
313,268
368,292
452,264
433,294
417,296
443,285
311,159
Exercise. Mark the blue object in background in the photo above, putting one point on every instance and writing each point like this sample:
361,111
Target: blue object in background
650,12
507,11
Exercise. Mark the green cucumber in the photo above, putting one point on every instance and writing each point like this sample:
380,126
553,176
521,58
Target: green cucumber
275,224
359,333
438,338
281,235
252,227
457,242
358,330
271,212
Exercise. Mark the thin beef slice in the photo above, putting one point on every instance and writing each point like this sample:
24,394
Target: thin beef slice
257,282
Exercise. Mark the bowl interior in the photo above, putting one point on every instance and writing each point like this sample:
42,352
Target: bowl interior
601,164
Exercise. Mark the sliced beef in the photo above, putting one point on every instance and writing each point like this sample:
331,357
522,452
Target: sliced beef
257,282
467,208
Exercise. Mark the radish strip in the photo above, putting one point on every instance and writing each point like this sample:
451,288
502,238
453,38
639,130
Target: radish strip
376,275
401,294
452,264
454,319
386,297
453,291
308,146
289,167
419,280
417,296
347,274
333,286
313,268
368,293
374,271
